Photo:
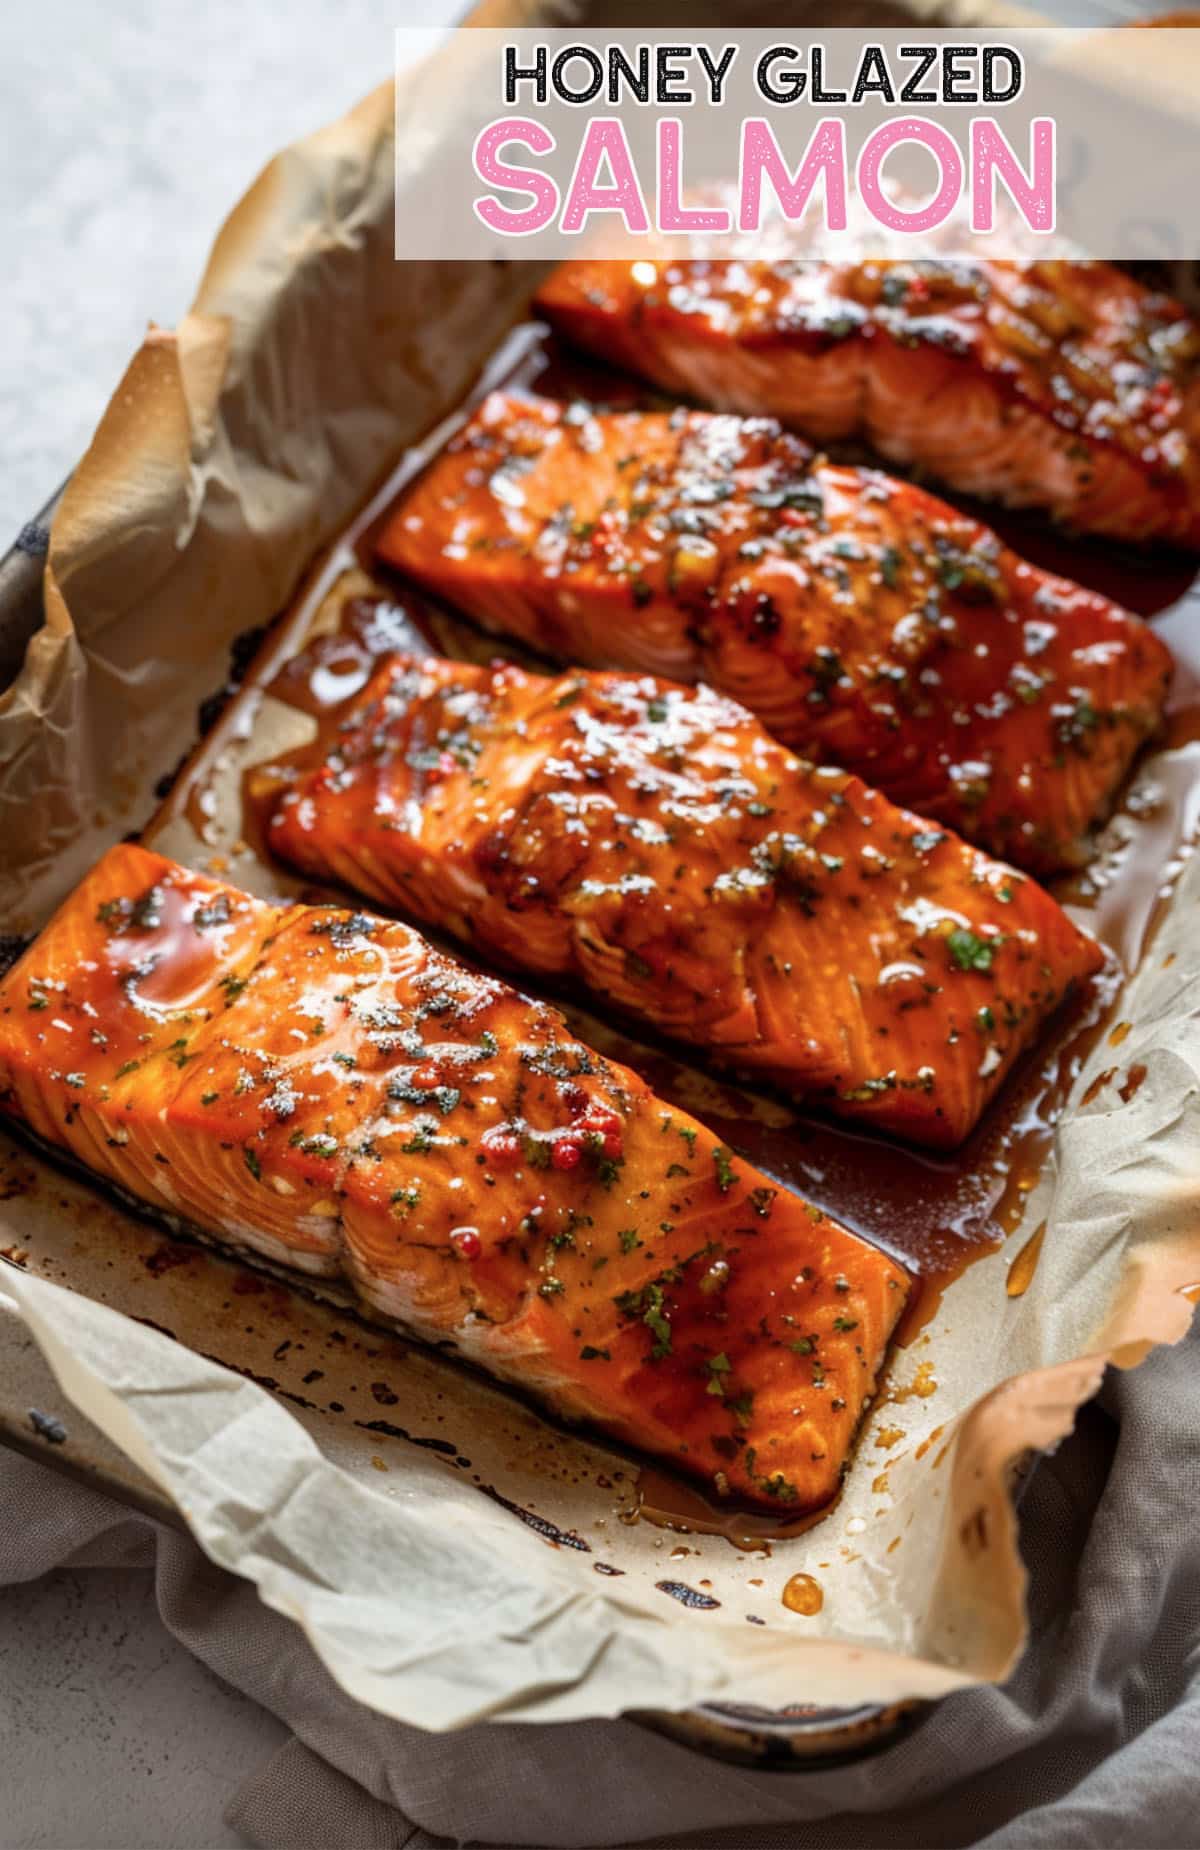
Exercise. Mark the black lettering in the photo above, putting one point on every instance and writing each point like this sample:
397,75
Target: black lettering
819,93
926,55
620,71
557,74
793,82
669,74
873,76
716,73
991,55
515,74
953,74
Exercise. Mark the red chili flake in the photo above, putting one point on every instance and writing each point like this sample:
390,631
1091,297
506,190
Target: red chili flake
466,1242
574,1098
918,290
794,517
502,1147
426,1078
601,1121
445,767
565,1153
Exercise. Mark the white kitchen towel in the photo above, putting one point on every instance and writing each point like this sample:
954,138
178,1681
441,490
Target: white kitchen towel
1094,1742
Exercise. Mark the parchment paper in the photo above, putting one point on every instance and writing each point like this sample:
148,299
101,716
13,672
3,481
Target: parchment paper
231,451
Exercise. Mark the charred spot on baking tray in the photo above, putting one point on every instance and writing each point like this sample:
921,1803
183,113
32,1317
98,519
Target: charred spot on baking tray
47,1427
687,1596
381,1392
12,944
397,1432
166,1257
541,1525
33,539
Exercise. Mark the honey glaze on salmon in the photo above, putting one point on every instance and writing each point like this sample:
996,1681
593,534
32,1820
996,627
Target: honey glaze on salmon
1065,386
656,842
865,622
326,1089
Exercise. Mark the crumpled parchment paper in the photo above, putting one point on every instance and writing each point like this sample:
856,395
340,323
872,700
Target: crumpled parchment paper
233,450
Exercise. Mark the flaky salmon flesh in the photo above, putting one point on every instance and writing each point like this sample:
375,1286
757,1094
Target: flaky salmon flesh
653,841
1059,385
865,622
324,1088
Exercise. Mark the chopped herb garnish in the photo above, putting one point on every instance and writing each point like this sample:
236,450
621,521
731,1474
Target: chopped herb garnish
969,950
726,1174
217,913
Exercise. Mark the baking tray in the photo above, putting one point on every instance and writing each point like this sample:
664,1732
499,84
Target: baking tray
209,1301
316,1355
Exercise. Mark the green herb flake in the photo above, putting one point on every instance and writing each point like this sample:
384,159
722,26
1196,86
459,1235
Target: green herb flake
726,1174
969,951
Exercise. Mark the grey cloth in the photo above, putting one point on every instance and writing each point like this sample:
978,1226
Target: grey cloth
1094,1742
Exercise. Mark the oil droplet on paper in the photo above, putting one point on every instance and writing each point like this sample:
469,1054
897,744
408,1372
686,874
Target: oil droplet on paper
803,1594
1024,1265
922,1385
1097,1086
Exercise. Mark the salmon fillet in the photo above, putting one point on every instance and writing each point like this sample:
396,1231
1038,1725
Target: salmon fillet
866,623
324,1088
656,842
1064,386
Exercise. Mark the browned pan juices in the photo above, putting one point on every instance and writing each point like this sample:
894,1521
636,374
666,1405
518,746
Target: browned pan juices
935,1213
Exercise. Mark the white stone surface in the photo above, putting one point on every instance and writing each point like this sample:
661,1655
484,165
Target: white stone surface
111,1734
129,128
